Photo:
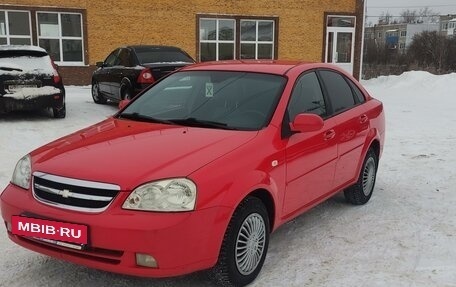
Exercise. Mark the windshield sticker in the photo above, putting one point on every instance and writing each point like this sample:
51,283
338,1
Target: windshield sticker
209,90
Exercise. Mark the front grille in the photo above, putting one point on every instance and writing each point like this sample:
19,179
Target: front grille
73,194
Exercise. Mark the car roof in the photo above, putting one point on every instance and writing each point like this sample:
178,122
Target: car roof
279,67
22,48
153,47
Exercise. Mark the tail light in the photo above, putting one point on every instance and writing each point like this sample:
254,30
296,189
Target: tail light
145,77
56,76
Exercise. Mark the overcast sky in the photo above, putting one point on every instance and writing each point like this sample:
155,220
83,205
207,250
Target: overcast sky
394,7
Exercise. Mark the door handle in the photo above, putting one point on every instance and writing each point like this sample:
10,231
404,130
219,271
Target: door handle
329,135
363,119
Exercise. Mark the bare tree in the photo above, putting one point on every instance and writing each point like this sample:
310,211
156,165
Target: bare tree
409,16
427,15
385,18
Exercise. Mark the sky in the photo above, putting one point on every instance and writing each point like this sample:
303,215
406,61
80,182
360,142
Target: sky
395,7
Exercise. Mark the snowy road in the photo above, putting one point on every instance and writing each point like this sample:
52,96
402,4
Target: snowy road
405,236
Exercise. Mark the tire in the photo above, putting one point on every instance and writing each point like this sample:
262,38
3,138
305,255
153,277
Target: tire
239,263
59,113
126,93
361,191
97,97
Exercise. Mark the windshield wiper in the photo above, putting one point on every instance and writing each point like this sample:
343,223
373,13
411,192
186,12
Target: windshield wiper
10,69
143,118
194,122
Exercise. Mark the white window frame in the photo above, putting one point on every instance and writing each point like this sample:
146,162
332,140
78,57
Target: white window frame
7,35
403,34
256,42
217,41
61,38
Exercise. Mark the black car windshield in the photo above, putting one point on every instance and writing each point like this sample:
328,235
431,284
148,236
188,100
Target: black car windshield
213,99
162,56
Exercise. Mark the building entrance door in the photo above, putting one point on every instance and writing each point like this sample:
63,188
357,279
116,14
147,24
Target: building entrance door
340,41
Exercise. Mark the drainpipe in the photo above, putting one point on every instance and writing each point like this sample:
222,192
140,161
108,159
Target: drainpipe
362,40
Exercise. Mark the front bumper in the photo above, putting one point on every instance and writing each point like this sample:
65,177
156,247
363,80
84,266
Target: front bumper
181,243
8,104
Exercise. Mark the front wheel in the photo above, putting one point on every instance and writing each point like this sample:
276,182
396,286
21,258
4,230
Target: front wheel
361,191
96,94
244,246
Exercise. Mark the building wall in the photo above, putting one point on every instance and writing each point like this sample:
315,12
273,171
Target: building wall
111,24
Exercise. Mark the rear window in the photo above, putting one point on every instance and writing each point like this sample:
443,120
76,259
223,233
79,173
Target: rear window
162,56
31,62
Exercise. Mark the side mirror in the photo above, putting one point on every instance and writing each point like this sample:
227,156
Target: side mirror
100,64
123,103
306,123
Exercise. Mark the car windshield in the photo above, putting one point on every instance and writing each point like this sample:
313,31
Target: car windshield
214,99
161,56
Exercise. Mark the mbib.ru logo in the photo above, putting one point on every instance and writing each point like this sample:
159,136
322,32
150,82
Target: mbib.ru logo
48,229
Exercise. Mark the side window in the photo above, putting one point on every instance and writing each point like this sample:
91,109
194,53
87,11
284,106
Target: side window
307,97
125,58
339,92
359,96
112,59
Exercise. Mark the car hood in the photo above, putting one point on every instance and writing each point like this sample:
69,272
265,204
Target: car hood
129,153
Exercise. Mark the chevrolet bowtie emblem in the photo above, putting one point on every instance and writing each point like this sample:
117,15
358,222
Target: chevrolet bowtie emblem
65,193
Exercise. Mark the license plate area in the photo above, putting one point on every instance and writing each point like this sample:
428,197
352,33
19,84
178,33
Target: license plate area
60,243
58,233
15,88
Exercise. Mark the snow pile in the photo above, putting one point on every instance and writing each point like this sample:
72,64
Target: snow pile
405,236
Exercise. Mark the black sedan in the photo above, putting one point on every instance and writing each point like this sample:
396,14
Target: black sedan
128,70
29,80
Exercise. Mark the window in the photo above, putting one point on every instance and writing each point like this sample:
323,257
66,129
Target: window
125,58
236,37
359,96
339,92
257,39
15,28
61,35
217,39
402,46
403,33
379,34
112,59
307,97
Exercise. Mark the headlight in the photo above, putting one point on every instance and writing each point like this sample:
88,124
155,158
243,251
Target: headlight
175,194
22,172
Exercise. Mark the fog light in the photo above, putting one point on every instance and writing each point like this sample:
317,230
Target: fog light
146,260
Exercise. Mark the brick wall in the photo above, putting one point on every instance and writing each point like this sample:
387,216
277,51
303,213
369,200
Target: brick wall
111,24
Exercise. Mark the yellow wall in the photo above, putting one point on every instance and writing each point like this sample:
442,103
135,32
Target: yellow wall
170,22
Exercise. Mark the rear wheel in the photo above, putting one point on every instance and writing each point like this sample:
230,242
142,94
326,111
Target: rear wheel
59,113
244,246
126,93
361,191
96,95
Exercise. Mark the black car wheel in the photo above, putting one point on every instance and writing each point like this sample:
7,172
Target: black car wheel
244,246
96,95
59,113
361,191
126,93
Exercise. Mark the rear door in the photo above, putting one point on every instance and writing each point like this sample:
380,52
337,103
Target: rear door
120,71
352,124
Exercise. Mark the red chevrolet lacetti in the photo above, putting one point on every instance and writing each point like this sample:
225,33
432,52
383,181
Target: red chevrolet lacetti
196,172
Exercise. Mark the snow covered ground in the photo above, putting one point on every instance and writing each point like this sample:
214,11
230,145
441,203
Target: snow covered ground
405,236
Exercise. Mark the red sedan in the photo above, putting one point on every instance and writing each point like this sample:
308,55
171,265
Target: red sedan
196,172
